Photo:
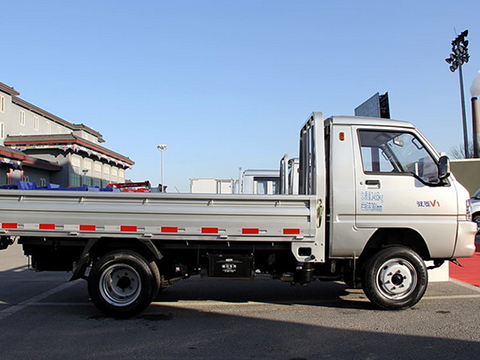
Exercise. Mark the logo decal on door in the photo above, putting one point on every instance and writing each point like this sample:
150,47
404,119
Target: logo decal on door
428,204
371,201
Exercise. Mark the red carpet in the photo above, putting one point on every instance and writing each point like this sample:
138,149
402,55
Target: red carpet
470,273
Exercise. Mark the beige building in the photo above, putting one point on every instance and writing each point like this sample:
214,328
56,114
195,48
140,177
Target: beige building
40,147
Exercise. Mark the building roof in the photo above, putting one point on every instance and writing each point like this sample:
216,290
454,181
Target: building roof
9,90
66,142
19,159
46,114
25,104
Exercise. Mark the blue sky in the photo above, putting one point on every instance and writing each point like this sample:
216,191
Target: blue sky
228,84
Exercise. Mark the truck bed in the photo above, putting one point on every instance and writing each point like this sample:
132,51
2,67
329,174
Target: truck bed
157,216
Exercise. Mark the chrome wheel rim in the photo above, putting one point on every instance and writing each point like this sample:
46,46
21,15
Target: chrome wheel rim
397,279
120,285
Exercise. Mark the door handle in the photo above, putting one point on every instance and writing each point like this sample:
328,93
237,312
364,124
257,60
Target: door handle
372,182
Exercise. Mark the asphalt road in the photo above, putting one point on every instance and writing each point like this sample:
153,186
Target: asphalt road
43,316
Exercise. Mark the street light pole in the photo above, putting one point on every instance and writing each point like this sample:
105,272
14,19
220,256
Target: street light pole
162,147
457,58
464,114
475,93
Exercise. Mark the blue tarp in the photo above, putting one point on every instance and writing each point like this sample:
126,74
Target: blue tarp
29,185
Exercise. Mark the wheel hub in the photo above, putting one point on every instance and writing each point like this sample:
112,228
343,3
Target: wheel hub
120,284
124,282
397,278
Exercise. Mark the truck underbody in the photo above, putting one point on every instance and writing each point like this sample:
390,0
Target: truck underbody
234,260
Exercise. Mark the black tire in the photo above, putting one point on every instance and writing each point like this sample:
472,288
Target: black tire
476,219
395,278
157,280
122,283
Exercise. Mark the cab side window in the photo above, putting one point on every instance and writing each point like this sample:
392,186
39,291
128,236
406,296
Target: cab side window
396,152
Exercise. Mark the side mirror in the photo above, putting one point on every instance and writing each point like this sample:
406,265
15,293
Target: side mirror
443,167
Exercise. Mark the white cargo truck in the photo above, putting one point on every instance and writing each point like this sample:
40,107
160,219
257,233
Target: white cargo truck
261,182
212,186
375,200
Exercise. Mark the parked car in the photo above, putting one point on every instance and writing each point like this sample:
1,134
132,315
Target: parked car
476,207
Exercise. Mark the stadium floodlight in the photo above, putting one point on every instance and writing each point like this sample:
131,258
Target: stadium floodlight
456,59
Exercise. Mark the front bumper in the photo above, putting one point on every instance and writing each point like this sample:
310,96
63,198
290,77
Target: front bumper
465,246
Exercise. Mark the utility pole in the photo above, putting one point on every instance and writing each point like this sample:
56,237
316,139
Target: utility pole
475,93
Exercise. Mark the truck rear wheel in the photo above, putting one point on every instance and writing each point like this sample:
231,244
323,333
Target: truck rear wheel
395,278
123,283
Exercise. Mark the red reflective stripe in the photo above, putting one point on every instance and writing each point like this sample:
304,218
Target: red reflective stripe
250,231
209,230
128,228
88,227
169,229
9,225
291,231
46,226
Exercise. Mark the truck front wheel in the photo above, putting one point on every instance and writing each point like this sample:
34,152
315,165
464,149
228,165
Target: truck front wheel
122,283
395,278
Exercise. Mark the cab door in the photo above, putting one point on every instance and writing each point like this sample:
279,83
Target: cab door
397,186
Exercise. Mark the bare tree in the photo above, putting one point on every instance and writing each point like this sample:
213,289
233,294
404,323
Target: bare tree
458,152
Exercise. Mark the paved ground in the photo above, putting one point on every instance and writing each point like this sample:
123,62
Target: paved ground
42,316
470,270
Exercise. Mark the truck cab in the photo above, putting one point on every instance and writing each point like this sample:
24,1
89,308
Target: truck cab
399,184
